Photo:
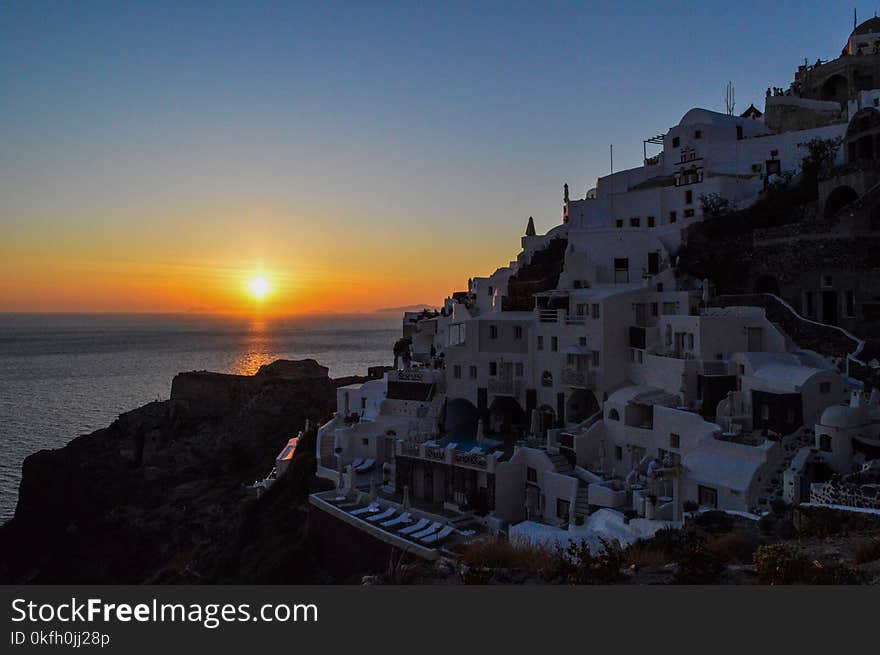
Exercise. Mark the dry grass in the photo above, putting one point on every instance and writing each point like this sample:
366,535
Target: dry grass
643,554
503,554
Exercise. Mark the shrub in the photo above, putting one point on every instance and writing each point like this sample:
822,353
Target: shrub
866,551
779,564
734,547
577,564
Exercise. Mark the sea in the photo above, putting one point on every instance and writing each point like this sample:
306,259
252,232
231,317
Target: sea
64,375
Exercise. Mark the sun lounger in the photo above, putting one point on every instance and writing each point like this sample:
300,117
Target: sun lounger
357,461
406,517
421,524
436,525
365,466
384,515
438,536
374,507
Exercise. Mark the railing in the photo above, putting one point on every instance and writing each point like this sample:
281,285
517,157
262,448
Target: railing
576,319
504,387
548,315
575,378
715,368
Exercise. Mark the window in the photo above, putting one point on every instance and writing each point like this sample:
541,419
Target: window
472,372
456,371
365,441
493,331
531,475
690,341
824,387
546,379
518,332
554,343
674,440
562,509
581,309
363,403
825,443
635,222
632,355
827,281
689,197
594,311
651,221
621,269
491,291
850,303
582,341
493,368
655,309
698,134
739,132
676,141
614,415
688,213
619,222
707,497
519,369
618,453
540,343
641,357
594,357
673,216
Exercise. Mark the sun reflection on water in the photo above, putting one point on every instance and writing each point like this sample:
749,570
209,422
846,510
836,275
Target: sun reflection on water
257,348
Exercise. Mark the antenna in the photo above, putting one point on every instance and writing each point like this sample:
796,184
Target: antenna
729,99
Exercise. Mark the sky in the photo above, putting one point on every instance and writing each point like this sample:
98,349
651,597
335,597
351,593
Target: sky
157,157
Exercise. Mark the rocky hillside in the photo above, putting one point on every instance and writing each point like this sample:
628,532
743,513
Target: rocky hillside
161,494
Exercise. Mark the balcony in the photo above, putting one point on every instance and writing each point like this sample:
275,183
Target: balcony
548,315
503,386
578,379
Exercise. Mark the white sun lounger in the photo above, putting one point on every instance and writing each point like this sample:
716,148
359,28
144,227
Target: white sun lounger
374,507
357,461
406,517
384,515
438,536
436,525
365,466
415,527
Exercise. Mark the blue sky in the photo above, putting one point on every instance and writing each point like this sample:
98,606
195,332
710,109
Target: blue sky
449,119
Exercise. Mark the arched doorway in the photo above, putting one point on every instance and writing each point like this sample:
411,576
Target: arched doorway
506,417
767,284
835,88
461,419
581,405
547,419
838,199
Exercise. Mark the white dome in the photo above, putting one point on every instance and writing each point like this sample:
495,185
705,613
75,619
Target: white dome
844,416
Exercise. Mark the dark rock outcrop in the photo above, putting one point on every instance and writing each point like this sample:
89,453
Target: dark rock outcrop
161,494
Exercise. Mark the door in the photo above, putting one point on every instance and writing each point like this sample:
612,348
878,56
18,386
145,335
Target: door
829,307
653,263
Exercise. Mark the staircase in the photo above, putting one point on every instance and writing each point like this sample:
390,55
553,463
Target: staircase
561,464
773,487
327,446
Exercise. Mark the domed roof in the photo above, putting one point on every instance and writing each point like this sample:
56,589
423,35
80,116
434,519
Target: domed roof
870,26
844,416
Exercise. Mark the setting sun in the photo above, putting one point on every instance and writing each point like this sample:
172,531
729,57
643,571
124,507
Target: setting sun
259,287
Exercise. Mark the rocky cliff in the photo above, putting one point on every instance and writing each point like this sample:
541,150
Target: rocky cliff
161,494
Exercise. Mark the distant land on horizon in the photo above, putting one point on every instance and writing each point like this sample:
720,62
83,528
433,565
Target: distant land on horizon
405,308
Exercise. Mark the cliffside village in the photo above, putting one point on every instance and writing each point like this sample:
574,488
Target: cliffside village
589,388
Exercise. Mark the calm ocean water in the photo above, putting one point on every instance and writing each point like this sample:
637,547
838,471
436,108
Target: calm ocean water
66,375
